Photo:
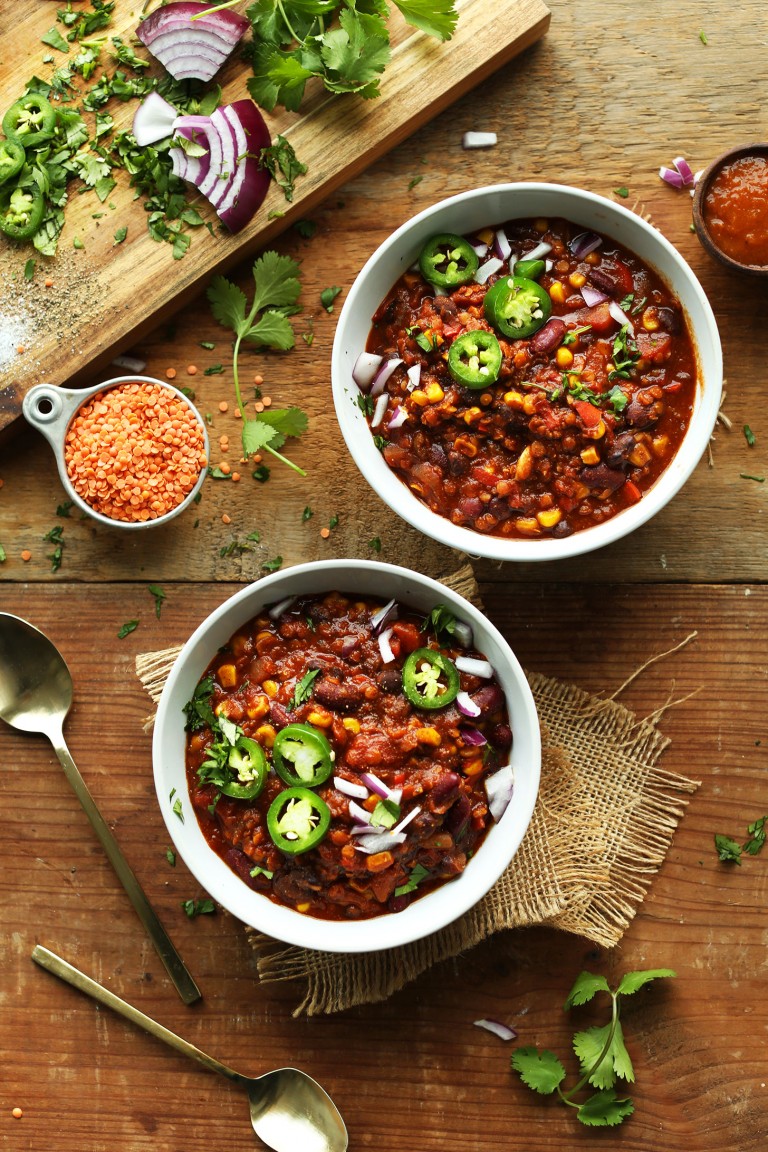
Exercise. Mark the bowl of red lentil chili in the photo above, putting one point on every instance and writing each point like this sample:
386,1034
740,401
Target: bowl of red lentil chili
131,452
730,209
526,371
346,755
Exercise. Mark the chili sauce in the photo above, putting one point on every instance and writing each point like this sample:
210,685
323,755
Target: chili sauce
735,210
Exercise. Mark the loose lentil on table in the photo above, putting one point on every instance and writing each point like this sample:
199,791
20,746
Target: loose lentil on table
135,451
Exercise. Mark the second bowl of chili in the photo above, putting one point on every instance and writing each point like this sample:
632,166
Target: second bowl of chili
334,752
526,371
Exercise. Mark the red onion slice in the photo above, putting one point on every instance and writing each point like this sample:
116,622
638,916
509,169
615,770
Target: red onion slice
365,368
414,376
488,269
474,667
349,788
538,252
188,44
379,843
406,820
463,633
154,120
373,783
399,417
385,648
671,176
621,317
358,814
479,140
581,245
348,645
684,169
384,615
592,296
466,705
383,375
503,1031
498,789
379,410
276,611
480,248
472,737
501,245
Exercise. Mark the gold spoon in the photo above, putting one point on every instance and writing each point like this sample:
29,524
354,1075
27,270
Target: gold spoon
290,1112
35,696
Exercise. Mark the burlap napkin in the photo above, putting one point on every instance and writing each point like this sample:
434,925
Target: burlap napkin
604,819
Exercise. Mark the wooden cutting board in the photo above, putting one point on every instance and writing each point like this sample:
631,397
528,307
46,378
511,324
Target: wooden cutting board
104,296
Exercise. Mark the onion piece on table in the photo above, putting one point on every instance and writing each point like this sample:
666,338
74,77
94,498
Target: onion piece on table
189,45
479,140
498,789
154,120
503,1031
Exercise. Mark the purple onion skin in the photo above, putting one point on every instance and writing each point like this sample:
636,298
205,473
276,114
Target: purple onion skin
548,337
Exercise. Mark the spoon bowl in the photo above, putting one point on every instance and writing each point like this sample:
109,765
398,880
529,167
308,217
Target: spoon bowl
36,696
290,1112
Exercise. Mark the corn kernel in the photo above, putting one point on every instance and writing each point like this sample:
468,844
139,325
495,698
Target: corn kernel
514,399
557,292
473,768
466,446
429,736
596,432
524,465
580,491
259,708
577,279
265,734
472,415
351,724
564,357
270,687
592,258
320,718
549,518
529,404
419,397
651,320
661,445
303,907
528,525
639,455
227,675
433,392
541,224
590,455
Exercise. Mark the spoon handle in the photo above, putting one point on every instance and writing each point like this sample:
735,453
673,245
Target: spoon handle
67,972
174,965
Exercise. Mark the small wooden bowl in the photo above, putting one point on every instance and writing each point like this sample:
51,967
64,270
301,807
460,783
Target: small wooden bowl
702,187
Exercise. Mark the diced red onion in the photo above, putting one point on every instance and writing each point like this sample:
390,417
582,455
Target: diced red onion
385,648
581,245
364,830
503,1031
592,296
358,814
474,667
396,795
348,644
671,176
399,417
488,268
154,120
365,368
498,789
414,376
384,615
277,610
479,140
463,633
190,41
379,410
129,363
407,819
621,317
380,842
349,788
548,265
501,245
684,169
472,736
383,375
373,783
466,705
480,247
538,252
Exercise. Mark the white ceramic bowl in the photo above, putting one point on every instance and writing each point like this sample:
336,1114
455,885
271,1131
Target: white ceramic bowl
485,207
430,912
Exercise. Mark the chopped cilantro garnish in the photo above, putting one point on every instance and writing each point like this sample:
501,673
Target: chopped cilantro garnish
283,165
198,907
127,628
303,689
749,436
272,565
159,596
327,297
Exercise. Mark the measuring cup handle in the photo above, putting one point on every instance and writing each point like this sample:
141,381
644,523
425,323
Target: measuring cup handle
50,409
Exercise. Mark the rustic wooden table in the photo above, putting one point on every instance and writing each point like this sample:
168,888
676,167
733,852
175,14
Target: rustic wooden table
608,95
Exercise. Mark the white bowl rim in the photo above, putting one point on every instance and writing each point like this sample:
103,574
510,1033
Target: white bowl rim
447,902
399,498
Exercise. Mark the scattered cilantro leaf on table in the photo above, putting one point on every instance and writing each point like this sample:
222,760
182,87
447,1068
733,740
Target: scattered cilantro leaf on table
195,908
601,1052
265,323
730,850
127,628
158,595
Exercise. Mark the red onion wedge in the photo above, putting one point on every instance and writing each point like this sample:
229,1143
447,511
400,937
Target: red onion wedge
503,1031
383,375
349,788
581,245
538,252
474,667
621,317
414,376
501,245
358,814
379,410
373,783
277,610
494,264
365,368
379,843
399,417
671,176
188,44
385,648
463,633
472,736
498,789
684,169
154,120
467,706
592,296
384,615
398,829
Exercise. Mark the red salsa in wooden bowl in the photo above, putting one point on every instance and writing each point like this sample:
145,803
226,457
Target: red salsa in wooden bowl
532,380
345,756
730,208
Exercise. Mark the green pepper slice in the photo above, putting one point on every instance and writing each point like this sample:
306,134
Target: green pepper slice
448,260
297,820
30,120
530,269
12,157
21,213
430,679
474,359
247,760
517,307
302,756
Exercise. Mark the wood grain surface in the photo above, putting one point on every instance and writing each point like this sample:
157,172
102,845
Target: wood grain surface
609,94
106,294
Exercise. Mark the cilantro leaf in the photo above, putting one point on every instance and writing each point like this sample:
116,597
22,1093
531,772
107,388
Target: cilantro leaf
256,435
631,982
283,165
304,688
356,53
272,329
757,836
538,1068
435,17
585,988
277,281
227,302
589,1045
604,1109
285,421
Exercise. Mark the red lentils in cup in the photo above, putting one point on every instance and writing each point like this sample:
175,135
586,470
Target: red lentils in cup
135,451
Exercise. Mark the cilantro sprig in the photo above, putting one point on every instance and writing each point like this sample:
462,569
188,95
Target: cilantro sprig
601,1052
730,850
265,323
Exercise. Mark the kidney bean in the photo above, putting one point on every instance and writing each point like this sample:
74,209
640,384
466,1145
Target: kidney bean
500,736
457,818
549,336
601,476
338,697
444,792
489,697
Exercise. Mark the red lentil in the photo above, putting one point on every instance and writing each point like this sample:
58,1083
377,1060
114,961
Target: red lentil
17,1113
134,452
26,555
325,533
170,373
223,406
191,370
226,518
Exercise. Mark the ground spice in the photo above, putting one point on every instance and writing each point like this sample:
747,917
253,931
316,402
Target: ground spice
134,452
